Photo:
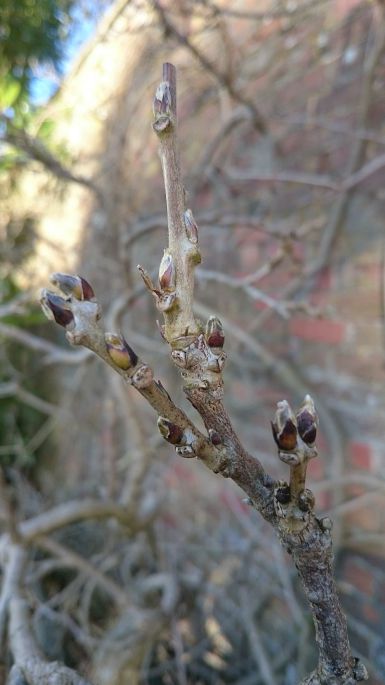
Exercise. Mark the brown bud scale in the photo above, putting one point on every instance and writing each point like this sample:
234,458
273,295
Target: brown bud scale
120,352
214,332
190,226
167,273
170,431
284,427
57,309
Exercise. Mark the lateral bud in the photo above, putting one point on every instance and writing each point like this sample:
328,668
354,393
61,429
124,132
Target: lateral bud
76,286
214,436
214,332
306,500
167,273
162,100
307,421
120,352
190,226
57,309
170,431
284,427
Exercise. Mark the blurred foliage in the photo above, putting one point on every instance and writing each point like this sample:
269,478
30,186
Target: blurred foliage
20,422
32,32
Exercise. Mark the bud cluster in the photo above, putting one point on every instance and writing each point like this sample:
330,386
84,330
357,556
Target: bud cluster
287,426
60,309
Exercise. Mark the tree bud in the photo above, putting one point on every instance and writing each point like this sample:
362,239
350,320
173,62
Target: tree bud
162,100
56,308
73,285
190,226
282,494
215,438
120,352
284,427
167,273
170,431
306,500
214,332
307,421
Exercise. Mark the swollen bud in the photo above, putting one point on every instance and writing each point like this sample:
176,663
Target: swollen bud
190,226
120,352
307,421
162,100
56,308
76,286
214,332
284,427
167,273
170,431
215,438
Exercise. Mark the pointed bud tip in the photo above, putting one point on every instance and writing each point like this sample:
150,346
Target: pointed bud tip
307,421
56,308
284,427
214,332
76,286
167,273
190,226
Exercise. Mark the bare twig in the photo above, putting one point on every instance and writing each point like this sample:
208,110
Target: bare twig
36,150
199,355
223,79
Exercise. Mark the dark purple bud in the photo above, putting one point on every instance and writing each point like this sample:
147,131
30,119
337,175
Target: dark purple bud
120,352
57,309
214,332
76,286
167,273
307,421
170,431
88,293
190,226
284,427
282,494
215,438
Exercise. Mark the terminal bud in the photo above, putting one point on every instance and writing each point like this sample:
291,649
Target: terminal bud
284,427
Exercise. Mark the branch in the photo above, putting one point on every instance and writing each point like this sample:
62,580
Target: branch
80,315
71,512
199,355
36,150
223,79
287,506
30,665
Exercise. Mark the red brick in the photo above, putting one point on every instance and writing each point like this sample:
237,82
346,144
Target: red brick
370,613
316,469
361,455
359,577
319,330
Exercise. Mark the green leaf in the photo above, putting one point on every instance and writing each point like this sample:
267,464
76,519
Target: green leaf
9,92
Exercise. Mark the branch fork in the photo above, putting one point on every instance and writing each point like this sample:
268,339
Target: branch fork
199,356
